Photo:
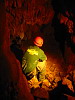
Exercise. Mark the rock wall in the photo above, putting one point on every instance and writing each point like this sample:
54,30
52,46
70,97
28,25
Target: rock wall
26,16
13,84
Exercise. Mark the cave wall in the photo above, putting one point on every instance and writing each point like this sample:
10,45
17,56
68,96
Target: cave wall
25,17
13,84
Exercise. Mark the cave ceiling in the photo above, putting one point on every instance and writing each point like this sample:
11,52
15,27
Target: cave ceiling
26,16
